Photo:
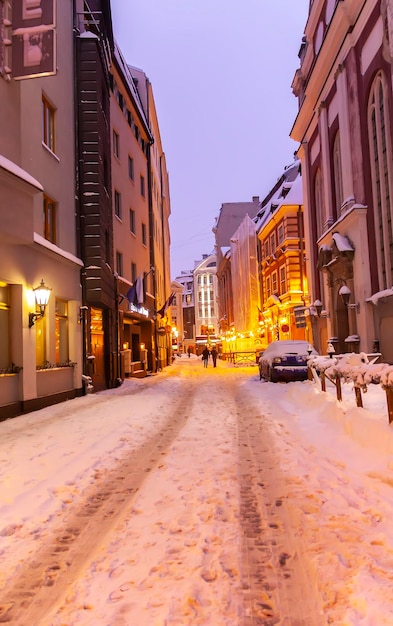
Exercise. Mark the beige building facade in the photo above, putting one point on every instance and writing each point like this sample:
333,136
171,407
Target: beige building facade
40,362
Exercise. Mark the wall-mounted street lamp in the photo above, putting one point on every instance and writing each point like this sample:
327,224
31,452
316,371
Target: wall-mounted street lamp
345,294
330,349
41,293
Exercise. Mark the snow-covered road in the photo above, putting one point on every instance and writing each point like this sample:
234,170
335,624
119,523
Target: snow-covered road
197,497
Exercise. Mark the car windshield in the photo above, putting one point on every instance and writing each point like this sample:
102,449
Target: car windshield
280,348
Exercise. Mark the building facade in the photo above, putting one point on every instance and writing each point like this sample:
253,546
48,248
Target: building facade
205,294
40,355
285,305
344,127
75,160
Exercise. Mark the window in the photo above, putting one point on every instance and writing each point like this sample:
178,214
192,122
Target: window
318,200
133,272
379,132
119,263
210,279
268,288
274,282
200,296
116,144
266,248
117,204
40,342
61,332
130,168
273,243
132,221
48,124
283,282
337,170
280,233
142,186
5,360
144,238
188,298
49,219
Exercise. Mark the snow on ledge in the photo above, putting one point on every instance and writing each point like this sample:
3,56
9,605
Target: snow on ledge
51,246
14,169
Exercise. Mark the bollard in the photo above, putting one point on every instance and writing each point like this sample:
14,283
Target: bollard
389,398
338,389
358,394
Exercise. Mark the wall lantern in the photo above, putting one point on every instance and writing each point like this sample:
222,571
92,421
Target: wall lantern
318,306
41,293
330,349
345,294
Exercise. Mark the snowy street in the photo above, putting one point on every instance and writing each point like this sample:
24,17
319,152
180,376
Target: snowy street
196,497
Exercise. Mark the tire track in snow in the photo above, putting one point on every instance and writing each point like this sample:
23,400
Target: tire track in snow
277,581
46,576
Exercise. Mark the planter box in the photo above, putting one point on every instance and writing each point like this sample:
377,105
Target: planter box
54,380
9,385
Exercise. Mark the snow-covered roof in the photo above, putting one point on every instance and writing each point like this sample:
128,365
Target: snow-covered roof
288,193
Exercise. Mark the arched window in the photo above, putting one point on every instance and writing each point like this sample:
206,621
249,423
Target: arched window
318,203
381,177
338,179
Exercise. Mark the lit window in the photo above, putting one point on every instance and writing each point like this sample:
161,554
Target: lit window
283,281
61,332
48,124
49,219
5,342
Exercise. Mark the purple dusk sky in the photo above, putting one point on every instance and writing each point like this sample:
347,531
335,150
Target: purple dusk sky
221,73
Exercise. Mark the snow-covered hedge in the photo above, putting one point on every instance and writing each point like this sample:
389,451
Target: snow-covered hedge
355,368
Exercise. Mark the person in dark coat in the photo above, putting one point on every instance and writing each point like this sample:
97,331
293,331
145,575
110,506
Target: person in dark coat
205,356
214,354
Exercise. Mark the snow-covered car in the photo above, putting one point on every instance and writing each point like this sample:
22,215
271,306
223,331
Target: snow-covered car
285,360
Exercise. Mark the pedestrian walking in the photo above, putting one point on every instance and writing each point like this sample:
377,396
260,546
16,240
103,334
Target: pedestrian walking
205,356
214,354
